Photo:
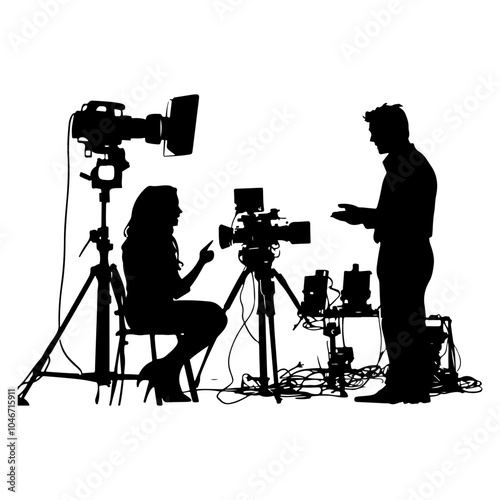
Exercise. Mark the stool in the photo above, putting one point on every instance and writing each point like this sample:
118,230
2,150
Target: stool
120,364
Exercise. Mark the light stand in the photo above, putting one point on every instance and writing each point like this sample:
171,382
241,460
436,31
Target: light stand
102,272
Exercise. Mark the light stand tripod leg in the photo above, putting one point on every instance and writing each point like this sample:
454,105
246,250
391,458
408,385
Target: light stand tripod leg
102,325
102,272
37,370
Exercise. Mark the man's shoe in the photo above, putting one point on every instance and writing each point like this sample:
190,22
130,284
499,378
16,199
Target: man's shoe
414,397
385,395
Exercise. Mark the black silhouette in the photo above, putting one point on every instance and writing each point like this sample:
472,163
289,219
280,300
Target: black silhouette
102,272
151,265
317,306
101,127
120,373
260,239
318,312
403,222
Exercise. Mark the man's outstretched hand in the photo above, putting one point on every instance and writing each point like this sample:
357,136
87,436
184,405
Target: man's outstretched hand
351,214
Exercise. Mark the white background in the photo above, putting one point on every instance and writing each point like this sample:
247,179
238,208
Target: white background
323,64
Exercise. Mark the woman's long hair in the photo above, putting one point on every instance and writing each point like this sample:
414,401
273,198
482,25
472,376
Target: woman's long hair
147,223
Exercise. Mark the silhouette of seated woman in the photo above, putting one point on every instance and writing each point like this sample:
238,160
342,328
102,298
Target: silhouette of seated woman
151,264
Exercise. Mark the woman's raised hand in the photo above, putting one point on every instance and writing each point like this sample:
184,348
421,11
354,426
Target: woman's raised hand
206,255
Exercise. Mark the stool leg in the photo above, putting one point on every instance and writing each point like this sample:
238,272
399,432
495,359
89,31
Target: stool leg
159,401
115,381
120,361
122,368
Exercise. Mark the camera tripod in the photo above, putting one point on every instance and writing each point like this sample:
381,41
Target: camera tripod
258,261
103,273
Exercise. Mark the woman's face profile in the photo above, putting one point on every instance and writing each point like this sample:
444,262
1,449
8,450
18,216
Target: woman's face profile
173,213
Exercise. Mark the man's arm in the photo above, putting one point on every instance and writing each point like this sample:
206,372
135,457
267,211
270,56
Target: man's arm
356,215
369,217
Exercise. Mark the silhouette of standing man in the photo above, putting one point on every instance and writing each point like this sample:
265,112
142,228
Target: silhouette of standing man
403,223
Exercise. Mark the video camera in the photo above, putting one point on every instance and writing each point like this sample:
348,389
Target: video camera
258,230
101,125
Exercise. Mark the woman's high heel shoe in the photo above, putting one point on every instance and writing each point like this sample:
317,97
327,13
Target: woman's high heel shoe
149,373
173,394
148,389
164,381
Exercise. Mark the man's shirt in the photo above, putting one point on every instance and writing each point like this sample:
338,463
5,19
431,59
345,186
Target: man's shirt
405,210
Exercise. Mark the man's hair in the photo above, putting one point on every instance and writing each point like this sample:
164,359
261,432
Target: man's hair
391,118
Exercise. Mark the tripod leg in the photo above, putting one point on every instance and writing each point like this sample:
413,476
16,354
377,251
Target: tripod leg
261,312
272,342
191,382
281,280
207,354
236,289
268,290
37,369
103,275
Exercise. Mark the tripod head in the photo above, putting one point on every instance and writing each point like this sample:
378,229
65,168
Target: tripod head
257,258
116,160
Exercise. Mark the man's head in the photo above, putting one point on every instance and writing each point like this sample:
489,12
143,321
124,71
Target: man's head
388,127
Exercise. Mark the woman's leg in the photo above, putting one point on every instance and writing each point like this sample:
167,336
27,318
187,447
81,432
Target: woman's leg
199,323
